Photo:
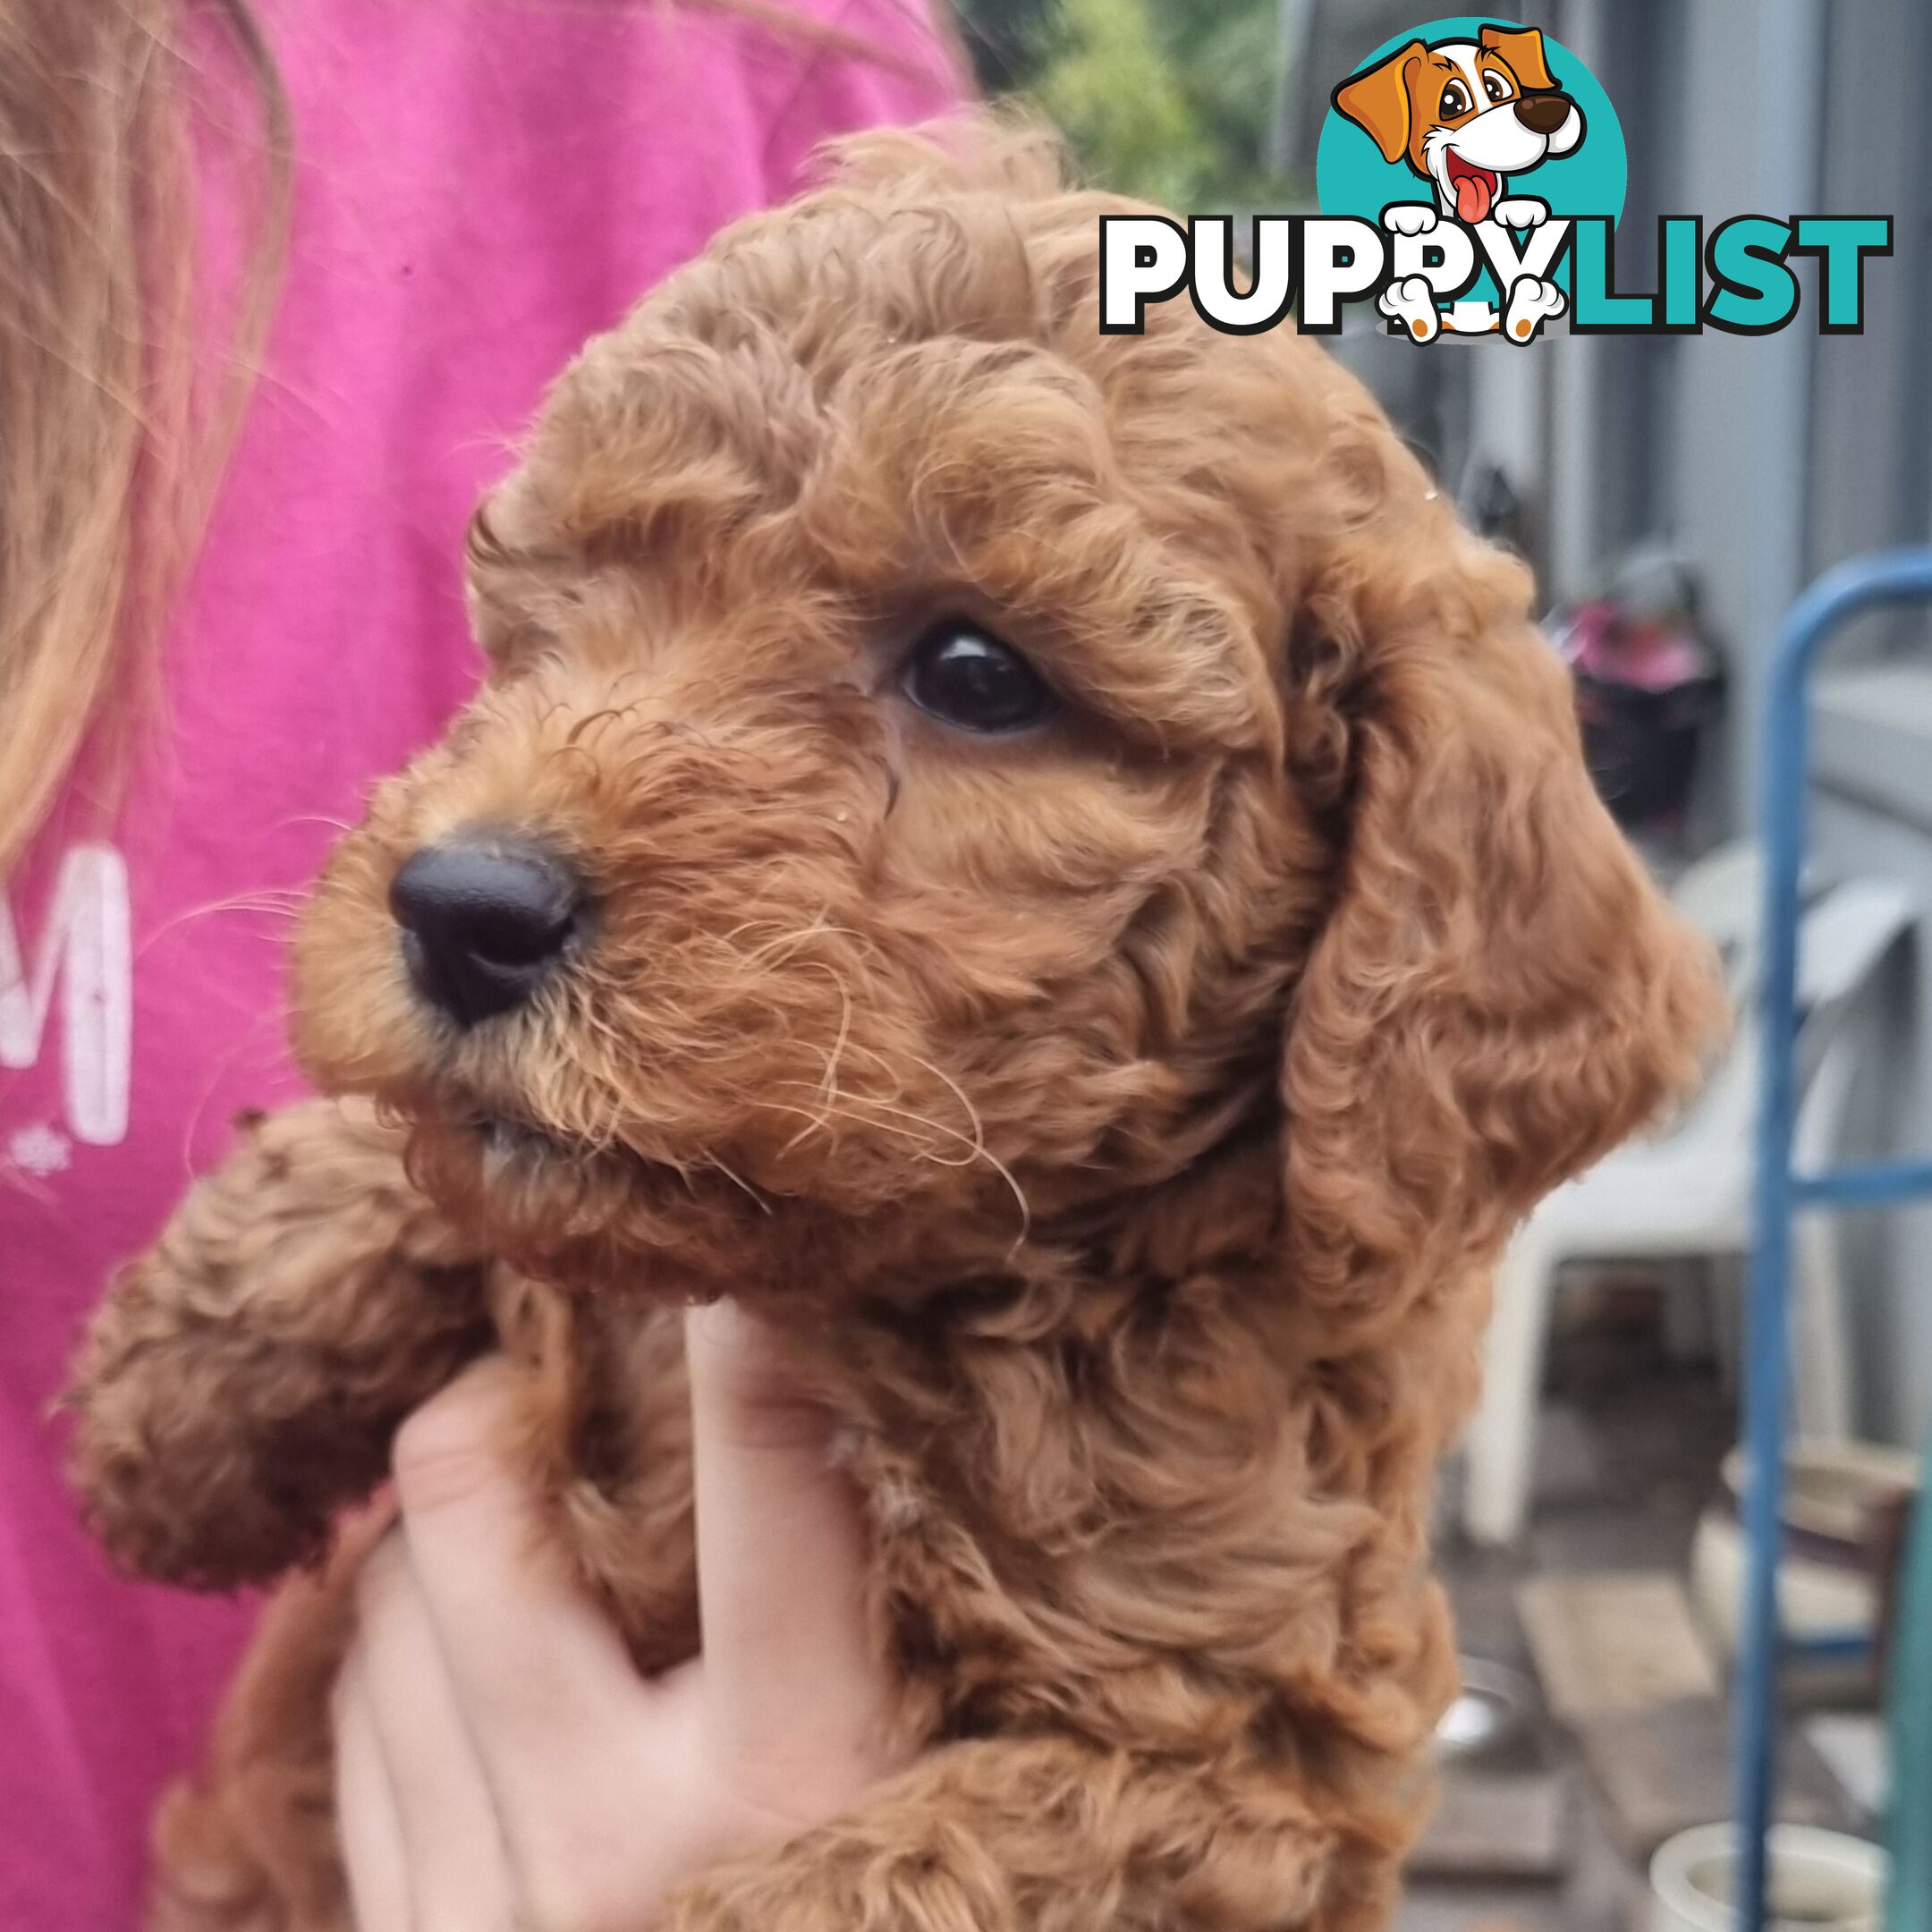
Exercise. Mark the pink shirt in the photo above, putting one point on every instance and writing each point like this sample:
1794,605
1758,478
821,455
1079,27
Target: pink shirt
480,184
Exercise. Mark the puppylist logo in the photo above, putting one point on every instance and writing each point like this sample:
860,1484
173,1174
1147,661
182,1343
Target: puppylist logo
1470,176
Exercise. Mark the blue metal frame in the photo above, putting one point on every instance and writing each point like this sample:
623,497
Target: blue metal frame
1894,577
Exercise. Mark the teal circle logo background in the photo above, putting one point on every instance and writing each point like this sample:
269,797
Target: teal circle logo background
1351,178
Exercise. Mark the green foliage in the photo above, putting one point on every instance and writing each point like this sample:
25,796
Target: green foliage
1003,39
1169,100
1112,86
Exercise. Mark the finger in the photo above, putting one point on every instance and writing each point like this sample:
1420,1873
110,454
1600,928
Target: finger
457,1875
792,1672
373,1859
540,1678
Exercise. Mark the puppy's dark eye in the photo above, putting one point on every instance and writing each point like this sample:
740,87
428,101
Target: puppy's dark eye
967,678
1455,100
1494,85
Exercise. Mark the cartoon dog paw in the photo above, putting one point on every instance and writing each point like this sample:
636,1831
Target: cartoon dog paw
1521,211
1410,218
1411,303
1532,301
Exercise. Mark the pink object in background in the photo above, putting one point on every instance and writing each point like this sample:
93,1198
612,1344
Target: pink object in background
1649,653
479,185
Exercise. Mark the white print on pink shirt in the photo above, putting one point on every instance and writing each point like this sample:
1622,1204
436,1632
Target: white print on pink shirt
84,948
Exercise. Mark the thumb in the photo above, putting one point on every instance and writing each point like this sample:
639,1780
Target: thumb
793,1674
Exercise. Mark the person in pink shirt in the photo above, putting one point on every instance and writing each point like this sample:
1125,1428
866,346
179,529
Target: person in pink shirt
475,186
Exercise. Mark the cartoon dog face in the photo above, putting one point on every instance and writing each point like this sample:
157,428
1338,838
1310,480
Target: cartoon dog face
1465,114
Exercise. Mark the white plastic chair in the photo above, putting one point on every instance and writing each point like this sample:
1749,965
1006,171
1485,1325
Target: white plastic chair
1685,1193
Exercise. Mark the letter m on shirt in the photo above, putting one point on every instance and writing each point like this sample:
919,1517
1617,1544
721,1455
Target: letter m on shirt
82,950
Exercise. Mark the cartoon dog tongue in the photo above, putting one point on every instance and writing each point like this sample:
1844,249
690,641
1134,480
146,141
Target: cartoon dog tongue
1472,197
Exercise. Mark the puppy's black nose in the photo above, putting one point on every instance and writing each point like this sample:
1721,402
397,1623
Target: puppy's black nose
1543,113
484,919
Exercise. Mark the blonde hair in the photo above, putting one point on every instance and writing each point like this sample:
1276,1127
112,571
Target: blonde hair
114,418
123,358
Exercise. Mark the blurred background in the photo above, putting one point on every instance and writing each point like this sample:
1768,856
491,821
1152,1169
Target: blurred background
1675,494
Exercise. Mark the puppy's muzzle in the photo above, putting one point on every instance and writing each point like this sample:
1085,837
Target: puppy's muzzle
486,920
1543,113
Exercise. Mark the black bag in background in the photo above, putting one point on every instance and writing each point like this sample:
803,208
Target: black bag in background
1648,683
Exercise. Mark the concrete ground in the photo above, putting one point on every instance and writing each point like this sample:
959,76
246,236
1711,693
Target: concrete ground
1627,1455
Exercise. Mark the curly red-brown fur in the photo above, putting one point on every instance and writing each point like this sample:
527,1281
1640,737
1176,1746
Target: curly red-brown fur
244,1378
1119,1120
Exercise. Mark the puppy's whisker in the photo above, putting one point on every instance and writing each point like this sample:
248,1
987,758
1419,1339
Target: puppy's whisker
838,1044
818,1119
320,819
285,906
769,951
712,1160
987,1155
959,1093
976,1149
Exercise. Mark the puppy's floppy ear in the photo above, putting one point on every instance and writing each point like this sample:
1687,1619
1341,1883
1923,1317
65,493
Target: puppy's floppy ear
1378,100
1499,993
1523,48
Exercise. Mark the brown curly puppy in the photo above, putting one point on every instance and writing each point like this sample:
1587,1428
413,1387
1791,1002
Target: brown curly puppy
1051,863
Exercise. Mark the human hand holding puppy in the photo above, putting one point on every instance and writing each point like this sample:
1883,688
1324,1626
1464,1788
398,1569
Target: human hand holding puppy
500,1760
